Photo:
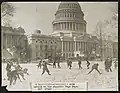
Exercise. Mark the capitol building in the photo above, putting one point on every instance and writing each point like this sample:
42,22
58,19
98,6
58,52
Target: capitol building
69,37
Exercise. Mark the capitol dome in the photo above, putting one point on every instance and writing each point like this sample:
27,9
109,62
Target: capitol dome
69,17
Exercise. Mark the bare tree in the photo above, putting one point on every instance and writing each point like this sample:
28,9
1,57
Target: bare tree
105,38
113,21
99,32
7,11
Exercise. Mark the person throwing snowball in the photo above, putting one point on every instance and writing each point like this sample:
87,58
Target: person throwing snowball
45,68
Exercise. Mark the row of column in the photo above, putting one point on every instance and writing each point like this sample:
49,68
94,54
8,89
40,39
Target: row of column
42,50
10,40
68,15
69,26
70,46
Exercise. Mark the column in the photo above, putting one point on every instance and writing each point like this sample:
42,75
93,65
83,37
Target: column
62,46
67,46
2,39
65,25
69,25
61,26
78,45
75,46
72,26
75,26
6,41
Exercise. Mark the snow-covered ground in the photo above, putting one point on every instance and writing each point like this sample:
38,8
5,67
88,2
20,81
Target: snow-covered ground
106,81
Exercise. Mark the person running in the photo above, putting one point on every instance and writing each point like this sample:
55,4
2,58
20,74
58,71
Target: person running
79,63
8,68
39,64
54,63
70,64
45,68
95,66
110,64
58,61
115,64
88,64
18,68
106,64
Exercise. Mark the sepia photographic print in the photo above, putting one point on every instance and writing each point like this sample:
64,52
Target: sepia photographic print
59,46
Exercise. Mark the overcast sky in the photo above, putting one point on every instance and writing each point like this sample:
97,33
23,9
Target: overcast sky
32,16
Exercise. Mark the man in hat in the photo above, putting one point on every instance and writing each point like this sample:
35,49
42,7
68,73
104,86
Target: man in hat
58,61
88,64
8,68
115,64
39,64
110,64
70,64
79,63
45,68
54,63
95,66
106,64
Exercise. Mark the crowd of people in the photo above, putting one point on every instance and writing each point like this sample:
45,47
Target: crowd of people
56,60
42,64
14,71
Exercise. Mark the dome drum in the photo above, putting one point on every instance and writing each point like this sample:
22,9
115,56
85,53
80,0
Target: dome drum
69,17
74,21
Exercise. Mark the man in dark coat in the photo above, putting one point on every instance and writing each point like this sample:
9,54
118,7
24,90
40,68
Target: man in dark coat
39,64
8,68
58,61
45,68
110,64
95,66
79,63
88,64
54,63
69,64
106,64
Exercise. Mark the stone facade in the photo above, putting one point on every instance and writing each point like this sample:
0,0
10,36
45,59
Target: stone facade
13,37
43,46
